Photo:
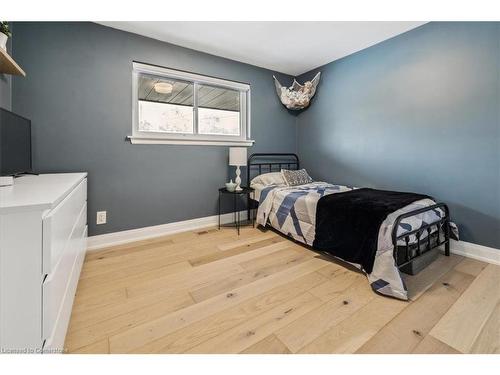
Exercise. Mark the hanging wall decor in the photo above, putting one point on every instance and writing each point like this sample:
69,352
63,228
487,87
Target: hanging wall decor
297,96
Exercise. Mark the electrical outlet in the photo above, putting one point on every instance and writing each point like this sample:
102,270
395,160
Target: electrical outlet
101,217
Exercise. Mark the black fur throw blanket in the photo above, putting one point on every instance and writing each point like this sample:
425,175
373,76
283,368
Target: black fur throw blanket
347,224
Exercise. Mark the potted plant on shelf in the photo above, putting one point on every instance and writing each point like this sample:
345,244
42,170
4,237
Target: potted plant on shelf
5,34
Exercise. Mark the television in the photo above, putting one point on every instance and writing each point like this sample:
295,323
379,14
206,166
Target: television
15,144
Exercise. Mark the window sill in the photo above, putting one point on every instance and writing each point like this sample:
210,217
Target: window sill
201,142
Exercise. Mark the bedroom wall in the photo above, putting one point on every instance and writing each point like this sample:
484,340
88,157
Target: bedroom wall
419,112
78,95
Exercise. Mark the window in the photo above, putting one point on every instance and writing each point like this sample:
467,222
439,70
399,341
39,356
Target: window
175,107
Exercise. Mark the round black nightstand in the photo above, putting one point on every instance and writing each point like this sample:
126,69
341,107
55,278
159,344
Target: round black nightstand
246,191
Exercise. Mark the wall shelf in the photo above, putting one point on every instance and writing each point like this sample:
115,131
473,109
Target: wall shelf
8,65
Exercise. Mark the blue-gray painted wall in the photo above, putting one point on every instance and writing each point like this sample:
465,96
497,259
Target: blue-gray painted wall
419,112
78,95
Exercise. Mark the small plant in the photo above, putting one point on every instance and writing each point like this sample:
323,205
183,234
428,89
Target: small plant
4,28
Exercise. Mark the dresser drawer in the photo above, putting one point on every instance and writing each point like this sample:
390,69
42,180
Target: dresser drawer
59,287
58,225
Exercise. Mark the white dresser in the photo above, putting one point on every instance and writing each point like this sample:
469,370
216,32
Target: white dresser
43,232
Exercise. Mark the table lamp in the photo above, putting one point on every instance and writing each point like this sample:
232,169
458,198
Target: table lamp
238,158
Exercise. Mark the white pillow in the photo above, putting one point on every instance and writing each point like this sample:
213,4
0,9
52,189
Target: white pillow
273,178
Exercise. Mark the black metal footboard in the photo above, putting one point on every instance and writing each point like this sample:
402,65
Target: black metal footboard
441,236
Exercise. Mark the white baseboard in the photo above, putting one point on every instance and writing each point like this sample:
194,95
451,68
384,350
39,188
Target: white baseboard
466,249
118,238
474,251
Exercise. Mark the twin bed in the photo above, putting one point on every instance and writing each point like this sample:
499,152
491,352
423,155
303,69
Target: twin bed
380,232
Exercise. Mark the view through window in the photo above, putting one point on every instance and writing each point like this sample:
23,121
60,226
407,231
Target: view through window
171,106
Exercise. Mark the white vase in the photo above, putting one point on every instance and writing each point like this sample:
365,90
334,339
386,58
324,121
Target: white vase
3,41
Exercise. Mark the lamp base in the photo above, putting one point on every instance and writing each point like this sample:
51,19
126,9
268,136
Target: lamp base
237,180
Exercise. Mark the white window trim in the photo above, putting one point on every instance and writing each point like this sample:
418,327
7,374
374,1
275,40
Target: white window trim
138,137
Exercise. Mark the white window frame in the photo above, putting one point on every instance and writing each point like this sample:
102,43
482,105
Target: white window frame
139,137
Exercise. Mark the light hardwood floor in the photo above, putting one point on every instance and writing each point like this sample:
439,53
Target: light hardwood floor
210,291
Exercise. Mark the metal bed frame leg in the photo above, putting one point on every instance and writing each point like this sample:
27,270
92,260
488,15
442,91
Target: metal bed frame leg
447,238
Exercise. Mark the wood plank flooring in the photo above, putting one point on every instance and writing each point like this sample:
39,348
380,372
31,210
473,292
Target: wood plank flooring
212,291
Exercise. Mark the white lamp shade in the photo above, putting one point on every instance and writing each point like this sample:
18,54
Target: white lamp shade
237,156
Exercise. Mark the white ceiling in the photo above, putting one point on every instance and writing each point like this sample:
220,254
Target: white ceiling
288,47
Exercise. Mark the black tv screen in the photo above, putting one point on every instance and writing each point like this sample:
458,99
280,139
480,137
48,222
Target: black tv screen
15,144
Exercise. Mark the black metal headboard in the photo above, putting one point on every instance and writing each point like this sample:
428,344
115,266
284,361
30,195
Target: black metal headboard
264,163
